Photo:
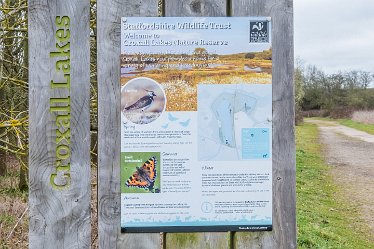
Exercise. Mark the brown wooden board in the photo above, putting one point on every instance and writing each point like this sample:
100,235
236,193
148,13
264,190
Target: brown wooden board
109,15
59,130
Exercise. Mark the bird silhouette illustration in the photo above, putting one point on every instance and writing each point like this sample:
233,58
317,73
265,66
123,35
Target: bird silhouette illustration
143,103
171,117
185,123
259,27
165,125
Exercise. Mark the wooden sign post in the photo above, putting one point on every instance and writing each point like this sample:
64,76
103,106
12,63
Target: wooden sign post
59,124
283,234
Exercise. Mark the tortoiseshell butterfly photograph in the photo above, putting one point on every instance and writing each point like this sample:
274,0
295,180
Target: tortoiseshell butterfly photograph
140,172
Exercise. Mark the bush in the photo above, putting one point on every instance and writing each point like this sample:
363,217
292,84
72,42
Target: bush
315,113
342,112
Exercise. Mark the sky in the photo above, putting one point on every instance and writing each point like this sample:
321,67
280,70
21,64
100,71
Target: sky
335,35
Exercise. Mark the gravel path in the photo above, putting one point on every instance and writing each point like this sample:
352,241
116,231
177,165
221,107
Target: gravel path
351,154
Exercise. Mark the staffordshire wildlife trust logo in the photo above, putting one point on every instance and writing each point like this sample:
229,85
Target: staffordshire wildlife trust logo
259,32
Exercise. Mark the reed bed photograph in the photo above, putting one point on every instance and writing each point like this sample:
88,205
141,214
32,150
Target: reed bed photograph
179,80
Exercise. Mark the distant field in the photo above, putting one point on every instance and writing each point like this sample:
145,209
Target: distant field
361,120
324,220
358,125
369,128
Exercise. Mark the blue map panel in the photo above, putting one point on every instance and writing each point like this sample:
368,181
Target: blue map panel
255,143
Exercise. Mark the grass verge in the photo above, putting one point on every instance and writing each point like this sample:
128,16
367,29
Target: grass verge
325,219
369,128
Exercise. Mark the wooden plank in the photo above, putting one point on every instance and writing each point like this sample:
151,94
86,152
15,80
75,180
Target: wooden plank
216,240
196,240
59,207
284,179
108,48
195,8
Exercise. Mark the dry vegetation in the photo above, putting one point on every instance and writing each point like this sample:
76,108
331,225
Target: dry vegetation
14,221
14,123
366,117
13,209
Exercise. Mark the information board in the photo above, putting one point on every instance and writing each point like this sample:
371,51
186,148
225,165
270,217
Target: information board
196,124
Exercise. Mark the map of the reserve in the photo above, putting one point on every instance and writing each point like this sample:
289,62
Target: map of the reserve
234,122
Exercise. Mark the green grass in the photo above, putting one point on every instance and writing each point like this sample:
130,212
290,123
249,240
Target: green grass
325,219
7,219
369,128
13,193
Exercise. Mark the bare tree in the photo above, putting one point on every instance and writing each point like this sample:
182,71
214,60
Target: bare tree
14,83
